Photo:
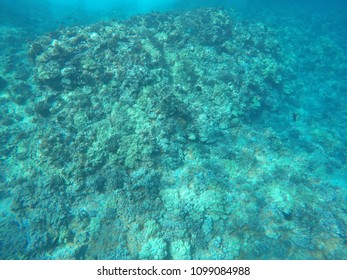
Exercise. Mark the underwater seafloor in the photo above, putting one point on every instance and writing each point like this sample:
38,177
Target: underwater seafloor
182,135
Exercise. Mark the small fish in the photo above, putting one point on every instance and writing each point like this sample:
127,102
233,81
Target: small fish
295,117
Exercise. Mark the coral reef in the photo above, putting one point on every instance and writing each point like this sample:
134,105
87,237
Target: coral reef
168,136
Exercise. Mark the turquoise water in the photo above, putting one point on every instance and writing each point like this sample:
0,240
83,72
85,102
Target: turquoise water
173,130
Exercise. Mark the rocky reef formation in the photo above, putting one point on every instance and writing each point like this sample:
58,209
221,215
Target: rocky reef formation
171,79
144,143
